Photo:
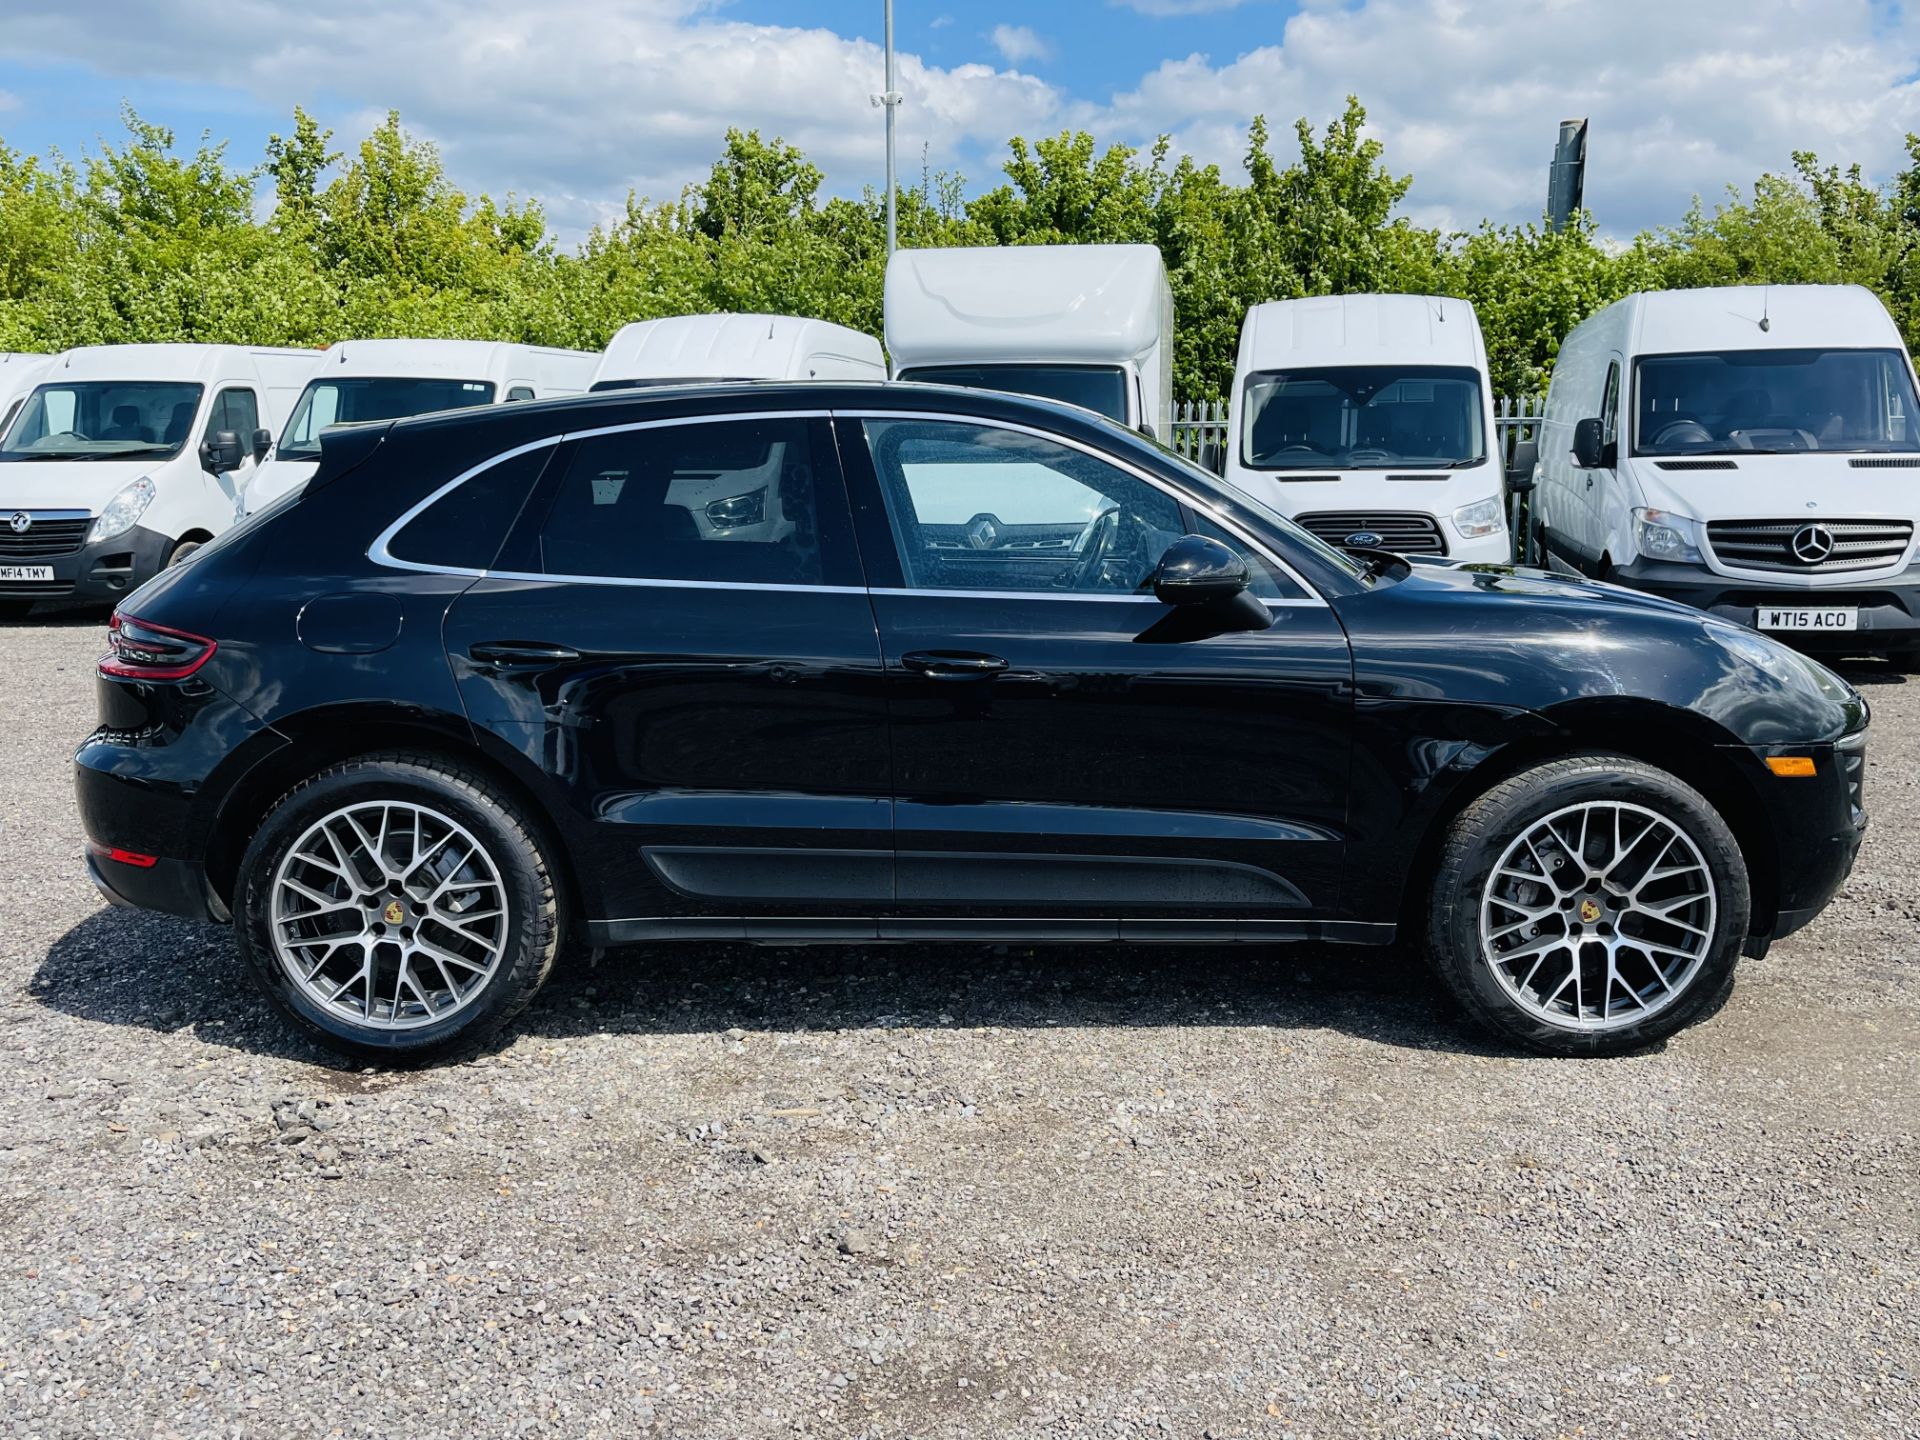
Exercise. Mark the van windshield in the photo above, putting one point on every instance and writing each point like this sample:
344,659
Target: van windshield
349,401
1363,417
1099,388
1774,402
103,420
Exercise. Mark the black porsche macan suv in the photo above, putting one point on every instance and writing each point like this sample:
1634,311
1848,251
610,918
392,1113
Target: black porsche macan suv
790,663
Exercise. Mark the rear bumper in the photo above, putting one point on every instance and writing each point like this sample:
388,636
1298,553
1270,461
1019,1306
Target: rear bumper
101,572
1889,610
173,887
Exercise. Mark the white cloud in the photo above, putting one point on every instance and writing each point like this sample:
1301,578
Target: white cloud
1468,94
573,103
1018,42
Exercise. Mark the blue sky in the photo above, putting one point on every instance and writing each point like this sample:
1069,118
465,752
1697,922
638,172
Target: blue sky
581,102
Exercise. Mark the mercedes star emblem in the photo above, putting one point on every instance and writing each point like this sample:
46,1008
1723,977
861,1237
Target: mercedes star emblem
1811,544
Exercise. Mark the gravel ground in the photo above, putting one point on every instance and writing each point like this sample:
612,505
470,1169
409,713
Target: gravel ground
722,1191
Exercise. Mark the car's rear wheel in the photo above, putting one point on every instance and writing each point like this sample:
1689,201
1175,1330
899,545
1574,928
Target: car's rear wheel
398,907
1589,906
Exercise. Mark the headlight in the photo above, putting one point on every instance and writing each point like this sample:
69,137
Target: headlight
1482,517
1663,535
123,511
737,510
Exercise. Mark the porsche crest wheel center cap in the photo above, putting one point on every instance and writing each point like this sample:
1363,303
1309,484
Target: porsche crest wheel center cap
394,913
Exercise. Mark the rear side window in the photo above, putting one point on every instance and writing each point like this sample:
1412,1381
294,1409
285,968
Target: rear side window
464,529
737,501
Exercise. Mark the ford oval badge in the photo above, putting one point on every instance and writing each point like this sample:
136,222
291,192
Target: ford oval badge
1362,539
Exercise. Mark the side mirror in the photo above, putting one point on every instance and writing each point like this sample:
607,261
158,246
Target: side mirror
1198,571
1213,456
1590,444
221,453
1520,476
262,442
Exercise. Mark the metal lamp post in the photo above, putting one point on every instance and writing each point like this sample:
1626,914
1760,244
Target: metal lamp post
890,101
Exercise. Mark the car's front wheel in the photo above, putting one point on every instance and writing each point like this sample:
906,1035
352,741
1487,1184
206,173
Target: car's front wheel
1589,906
398,907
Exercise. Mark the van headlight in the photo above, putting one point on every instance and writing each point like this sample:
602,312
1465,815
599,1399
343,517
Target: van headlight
1663,535
123,511
1482,517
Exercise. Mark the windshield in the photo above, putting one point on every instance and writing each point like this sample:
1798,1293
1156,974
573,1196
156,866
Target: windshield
1363,417
350,401
650,382
1774,402
103,420
1099,388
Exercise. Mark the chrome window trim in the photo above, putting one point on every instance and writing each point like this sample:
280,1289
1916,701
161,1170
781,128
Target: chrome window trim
1166,487
381,553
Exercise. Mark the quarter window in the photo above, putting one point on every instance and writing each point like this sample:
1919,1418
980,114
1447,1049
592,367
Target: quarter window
464,529
733,501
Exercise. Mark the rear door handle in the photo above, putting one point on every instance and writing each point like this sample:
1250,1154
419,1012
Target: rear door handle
520,654
952,664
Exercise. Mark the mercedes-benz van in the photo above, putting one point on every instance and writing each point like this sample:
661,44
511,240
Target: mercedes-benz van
696,349
1369,420
1752,450
124,459
360,380
1088,324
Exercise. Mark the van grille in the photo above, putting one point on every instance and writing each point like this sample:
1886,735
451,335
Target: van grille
1849,544
41,539
1408,534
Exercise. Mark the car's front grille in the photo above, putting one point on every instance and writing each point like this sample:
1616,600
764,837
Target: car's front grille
41,538
1406,532
1812,547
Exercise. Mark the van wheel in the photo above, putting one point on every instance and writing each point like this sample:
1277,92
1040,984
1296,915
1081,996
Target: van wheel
15,609
1904,662
398,908
1589,906
181,552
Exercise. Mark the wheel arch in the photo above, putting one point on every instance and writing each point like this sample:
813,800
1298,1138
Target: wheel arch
1686,745
328,735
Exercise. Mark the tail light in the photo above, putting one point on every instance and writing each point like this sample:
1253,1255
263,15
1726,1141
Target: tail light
141,650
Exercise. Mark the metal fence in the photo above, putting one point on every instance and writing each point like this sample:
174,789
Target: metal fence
1201,431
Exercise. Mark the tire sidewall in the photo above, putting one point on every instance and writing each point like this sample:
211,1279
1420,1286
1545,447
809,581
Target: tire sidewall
1504,816
529,924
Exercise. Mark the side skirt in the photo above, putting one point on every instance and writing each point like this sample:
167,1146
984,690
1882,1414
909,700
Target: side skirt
835,930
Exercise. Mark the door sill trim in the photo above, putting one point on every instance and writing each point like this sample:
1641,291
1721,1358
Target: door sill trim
1036,930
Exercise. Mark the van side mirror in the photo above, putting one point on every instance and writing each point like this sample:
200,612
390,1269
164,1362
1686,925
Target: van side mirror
1213,456
1520,477
1590,445
221,453
262,442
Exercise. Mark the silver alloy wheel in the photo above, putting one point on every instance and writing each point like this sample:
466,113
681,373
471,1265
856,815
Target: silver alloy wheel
388,914
1598,916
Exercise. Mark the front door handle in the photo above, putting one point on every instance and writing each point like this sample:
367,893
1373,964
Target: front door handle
952,664
520,654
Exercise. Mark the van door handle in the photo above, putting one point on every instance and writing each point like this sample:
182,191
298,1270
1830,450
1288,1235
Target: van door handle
952,664
520,654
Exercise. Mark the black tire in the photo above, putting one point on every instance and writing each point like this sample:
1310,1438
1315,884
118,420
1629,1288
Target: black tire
534,922
181,552
1904,662
15,609
1480,835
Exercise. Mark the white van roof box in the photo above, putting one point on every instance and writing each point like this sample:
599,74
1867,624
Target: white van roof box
729,347
1015,303
1362,330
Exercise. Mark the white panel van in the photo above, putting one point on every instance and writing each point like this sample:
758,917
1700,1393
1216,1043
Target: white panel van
1088,324
1369,420
360,380
691,349
19,373
124,459
1752,450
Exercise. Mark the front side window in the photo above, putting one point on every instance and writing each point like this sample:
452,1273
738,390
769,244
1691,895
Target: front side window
103,420
235,410
731,501
1774,402
517,393
1099,388
974,507
1363,417
353,401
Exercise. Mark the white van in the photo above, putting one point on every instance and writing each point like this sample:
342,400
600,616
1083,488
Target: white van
19,373
692,349
389,379
126,458
1369,420
1752,450
1088,324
